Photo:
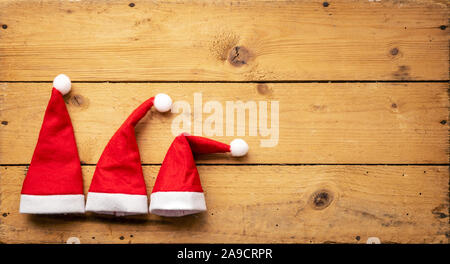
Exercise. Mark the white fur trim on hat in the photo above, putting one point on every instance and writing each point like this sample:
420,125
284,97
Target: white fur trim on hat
177,203
238,148
118,204
51,204
62,83
162,102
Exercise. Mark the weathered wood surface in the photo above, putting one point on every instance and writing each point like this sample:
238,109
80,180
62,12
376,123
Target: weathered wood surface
223,46
224,40
310,204
318,122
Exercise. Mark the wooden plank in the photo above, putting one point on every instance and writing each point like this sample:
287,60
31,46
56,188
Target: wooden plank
318,122
224,40
292,204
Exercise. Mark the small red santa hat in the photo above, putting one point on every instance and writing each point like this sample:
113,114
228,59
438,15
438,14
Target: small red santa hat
177,190
53,184
118,185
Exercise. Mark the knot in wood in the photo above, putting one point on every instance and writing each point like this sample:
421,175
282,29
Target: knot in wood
77,100
239,56
321,199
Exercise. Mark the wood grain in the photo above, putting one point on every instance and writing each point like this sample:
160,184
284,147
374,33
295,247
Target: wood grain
318,122
119,55
224,40
307,204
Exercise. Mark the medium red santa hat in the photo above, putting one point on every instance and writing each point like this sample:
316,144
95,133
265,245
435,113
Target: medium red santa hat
53,184
177,190
118,185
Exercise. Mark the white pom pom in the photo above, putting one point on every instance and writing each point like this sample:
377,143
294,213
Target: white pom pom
238,148
162,102
62,83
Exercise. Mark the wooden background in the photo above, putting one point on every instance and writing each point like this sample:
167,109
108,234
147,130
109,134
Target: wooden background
363,93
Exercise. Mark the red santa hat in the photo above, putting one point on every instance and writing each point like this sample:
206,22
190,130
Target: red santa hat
177,190
118,185
53,184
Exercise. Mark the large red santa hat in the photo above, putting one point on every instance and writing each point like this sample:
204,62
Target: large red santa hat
118,185
53,184
177,190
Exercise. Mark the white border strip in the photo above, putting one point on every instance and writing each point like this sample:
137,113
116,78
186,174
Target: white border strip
117,203
177,203
51,204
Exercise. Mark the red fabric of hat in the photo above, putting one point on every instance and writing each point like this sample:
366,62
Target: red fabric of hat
118,185
53,184
177,190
